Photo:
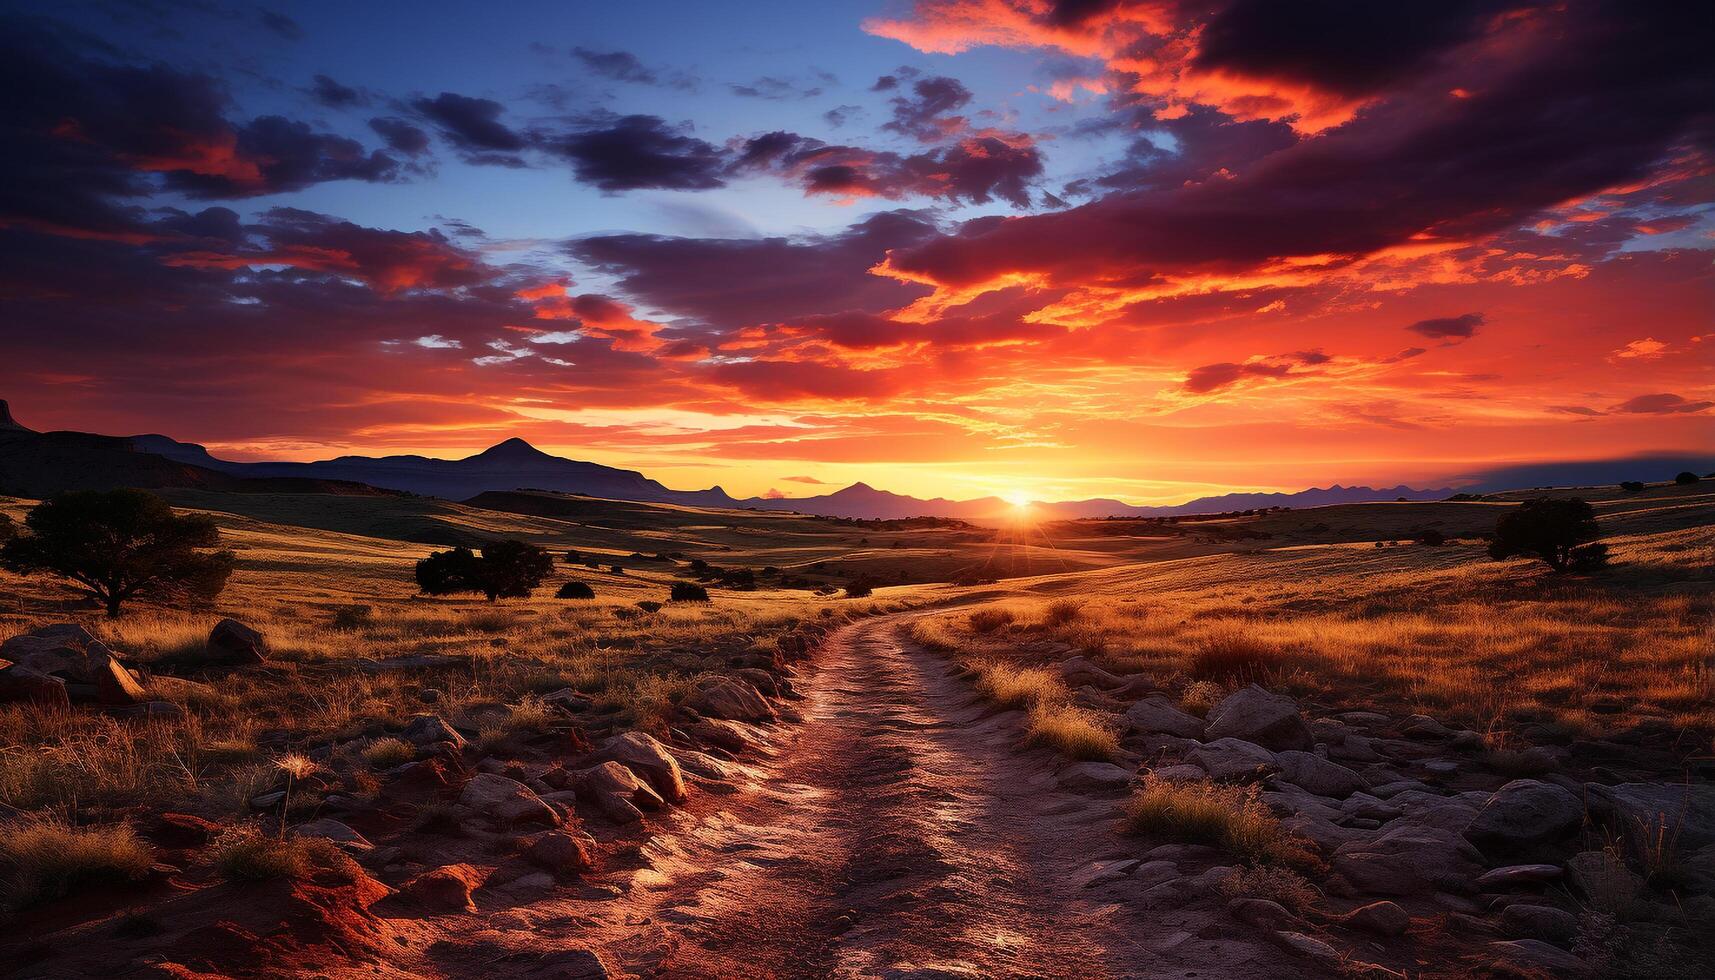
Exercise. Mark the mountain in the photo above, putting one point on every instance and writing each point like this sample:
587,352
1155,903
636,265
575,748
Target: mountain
40,463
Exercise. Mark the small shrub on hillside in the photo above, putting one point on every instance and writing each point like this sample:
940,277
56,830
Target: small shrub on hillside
860,587
1018,687
1431,537
1200,696
648,605
1232,656
1231,818
245,853
1632,486
41,860
572,557
387,753
575,590
505,570
989,620
1558,531
1062,611
354,616
1686,478
1071,731
1274,883
688,592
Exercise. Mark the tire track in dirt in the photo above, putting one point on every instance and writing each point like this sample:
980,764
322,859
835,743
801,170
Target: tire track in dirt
899,831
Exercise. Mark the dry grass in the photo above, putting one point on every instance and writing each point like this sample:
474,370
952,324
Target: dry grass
43,859
1274,883
1072,731
989,620
387,753
1010,686
245,853
1232,818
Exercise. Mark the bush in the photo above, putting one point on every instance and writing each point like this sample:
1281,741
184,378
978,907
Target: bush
860,587
1431,537
1231,818
1556,530
572,557
1062,611
505,569
688,592
989,620
41,859
116,545
1232,656
1632,486
1071,731
575,590
1686,478
1018,687
388,753
648,605
245,853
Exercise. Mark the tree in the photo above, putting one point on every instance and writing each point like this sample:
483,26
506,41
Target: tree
688,592
1686,478
119,545
1558,531
504,570
575,590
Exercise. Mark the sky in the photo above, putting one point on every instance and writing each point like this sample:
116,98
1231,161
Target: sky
1050,248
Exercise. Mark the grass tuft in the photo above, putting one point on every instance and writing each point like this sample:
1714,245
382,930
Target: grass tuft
1011,686
43,859
1231,818
1072,731
989,620
245,853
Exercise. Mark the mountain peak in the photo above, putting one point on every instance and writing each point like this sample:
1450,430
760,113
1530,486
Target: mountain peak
7,423
512,449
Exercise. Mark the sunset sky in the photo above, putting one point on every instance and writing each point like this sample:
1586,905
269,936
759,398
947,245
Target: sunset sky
1143,250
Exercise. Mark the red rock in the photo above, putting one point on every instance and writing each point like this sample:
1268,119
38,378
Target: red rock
446,888
183,830
114,685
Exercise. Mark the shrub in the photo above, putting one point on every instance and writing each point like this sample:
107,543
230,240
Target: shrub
505,569
860,587
386,753
1284,886
648,605
1556,530
116,545
1632,486
989,620
575,590
1200,696
1232,656
1231,818
1072,731
1062,611
354,616
245,853
687,592
1431,537
1686,478
43,859
1018,687
572,557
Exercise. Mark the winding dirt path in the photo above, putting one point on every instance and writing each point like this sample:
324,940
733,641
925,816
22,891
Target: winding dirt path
899,831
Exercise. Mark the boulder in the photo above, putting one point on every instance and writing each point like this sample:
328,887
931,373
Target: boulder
1409,859
1681,812
1382,918
114,685
1156,714
1098,873
64,650
642,754
1255,715
1233,759
445,889
617,791
235,644
1523,921
507,802
1262,912
730,699
1519,876
1095,777
560,851
1541,956
1525,813
1081,671
20,683
335,831
1310,771
1603,878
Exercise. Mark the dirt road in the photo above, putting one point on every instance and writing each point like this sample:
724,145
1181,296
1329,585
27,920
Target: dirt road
900,831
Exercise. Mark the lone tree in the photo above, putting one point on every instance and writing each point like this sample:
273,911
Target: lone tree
1686,478
504,570
1558,531
121,544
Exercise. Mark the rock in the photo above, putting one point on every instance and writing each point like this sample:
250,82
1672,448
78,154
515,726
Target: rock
1424,727
1604,879
1262,912
1381,918
1080,671
426,730
114,685
1525,813
1182,772
1255,715
1519,875
335,831
1523,921
232,642
183,830
178,690
20,683
569,699
644,755
1310,771
560,851
706,766
1680,812
730,699
1408,859
1156,714
1101,872
1534,953
446,889
1097,777
63,650
507,802
1233,759
617,791
1311,947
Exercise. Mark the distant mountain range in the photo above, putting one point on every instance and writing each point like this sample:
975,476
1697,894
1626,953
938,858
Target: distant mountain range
40,463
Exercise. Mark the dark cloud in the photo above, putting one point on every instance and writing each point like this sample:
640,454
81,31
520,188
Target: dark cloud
1337,46
473,126
1213,377
975,168
638,152
1575,410
282,25
926,115
772,87
841,114
621,66
400,135
334,95
1665,403
728,283
1454,328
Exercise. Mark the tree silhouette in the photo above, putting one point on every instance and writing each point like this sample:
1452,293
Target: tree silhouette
121,544
1558,531
505,569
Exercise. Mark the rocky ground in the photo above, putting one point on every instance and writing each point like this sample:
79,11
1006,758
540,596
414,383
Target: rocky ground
869,815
